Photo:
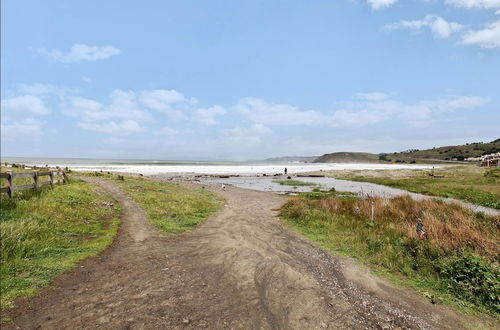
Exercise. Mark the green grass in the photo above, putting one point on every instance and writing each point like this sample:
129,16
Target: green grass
48,231
475,185
457,263
317,193
295,183
170,207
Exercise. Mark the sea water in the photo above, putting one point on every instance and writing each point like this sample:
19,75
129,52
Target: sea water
173,168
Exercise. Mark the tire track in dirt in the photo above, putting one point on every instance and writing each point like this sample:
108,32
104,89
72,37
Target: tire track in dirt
240,269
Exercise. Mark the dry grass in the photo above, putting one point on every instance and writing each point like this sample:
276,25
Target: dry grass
458,256
449,227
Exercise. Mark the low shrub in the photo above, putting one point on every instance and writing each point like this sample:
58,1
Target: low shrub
472,278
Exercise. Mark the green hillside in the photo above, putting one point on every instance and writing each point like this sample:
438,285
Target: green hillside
447,153
460,152
348,157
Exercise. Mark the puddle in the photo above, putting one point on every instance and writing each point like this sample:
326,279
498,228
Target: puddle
268,183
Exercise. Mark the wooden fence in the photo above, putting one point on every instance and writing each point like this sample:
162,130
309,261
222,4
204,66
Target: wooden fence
37,180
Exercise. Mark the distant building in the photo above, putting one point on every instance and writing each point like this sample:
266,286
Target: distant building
487,160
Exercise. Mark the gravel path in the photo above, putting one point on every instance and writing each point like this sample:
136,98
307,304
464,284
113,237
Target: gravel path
240,269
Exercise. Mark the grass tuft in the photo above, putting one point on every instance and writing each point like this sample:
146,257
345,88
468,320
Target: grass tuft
171,208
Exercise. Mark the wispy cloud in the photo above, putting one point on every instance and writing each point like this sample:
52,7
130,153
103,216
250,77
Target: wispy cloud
25,129
249,122
262,112
440,27
371,108
207,116
23,106
489,4
20,117
124,127
80,52
373,96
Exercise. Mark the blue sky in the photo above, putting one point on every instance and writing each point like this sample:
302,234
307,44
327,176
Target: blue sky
238,80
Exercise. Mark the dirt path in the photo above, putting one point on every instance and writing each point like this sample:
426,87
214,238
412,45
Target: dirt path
240,269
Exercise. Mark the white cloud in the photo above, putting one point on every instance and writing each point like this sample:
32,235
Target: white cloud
372,112
23,106
81,52
86,108
45,90
262,112
378,4
169,102
207,116
124,127
440,27
489,37
371,108
488,4
122,105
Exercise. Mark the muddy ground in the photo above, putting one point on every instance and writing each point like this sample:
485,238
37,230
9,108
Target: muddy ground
240,269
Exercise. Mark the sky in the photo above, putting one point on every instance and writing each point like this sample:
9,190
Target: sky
246,80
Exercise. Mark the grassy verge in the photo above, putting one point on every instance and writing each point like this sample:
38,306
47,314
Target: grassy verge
295,183
456,262
170,207
48,231
479,186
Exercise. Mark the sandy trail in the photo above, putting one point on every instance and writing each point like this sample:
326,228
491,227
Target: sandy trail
241,269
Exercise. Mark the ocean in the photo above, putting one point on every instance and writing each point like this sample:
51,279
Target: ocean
173,168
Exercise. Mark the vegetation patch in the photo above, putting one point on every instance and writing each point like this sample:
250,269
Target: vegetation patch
170,207
47,231
317,193
475,185
453,257
295,183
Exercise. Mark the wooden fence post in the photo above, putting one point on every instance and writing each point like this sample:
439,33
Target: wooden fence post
65,178
11,185
35,178
51,177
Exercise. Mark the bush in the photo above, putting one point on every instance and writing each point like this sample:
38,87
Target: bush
472,278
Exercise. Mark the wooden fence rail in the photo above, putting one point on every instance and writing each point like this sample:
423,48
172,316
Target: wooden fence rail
37,180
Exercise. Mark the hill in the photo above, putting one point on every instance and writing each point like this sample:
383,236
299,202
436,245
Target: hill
348,157
461,152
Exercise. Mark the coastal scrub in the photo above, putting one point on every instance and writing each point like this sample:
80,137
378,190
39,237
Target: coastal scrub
454,255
